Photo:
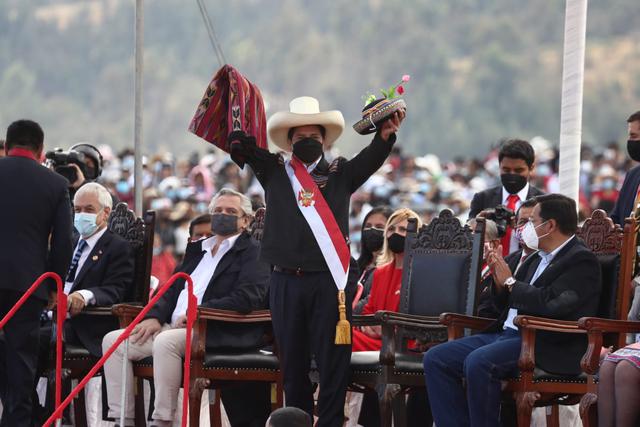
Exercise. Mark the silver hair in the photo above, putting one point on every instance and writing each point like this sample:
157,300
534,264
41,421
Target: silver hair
490,229
245,202
104,197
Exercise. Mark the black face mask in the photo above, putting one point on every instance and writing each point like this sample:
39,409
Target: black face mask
307,150
633,148
396,243
223,224
372,239
513,182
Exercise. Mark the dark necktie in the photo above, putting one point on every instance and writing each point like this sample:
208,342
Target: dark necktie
71,275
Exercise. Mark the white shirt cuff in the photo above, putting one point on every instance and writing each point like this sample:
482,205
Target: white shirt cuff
89,299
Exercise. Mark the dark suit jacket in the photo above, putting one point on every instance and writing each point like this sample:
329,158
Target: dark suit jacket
492,197
35,224
627,196
239,283
108,273
568,289
489,305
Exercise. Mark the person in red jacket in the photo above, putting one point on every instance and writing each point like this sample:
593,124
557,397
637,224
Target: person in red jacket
387,279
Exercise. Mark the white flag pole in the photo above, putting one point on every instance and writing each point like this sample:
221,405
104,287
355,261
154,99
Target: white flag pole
572,86
137,137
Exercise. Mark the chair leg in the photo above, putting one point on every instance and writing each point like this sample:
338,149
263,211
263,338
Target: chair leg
139,402
399,410
524,403
386,394
215,413
279,393
80,410
195,399
589,410
553,416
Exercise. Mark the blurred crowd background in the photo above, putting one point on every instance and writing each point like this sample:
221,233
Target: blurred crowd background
180,188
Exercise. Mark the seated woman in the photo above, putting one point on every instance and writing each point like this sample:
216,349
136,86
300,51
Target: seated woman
387,279
371,242
619,388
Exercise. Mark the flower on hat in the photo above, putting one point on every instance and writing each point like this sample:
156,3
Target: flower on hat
391,93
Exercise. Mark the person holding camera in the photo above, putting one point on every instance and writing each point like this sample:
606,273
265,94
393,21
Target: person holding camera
517,161
81,164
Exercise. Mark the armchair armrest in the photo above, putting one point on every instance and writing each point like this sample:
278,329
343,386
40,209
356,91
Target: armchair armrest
528,326
596,328
198,349
365,320
457,323
126,313
408,320
97,311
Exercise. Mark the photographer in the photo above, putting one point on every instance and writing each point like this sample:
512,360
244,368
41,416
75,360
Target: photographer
80,165
517,161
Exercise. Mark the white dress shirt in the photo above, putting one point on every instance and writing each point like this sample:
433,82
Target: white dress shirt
203,272
91,243
546,259
522,196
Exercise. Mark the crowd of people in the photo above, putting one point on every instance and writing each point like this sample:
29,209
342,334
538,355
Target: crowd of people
333,211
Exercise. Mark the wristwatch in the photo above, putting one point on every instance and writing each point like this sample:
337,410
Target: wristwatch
509,283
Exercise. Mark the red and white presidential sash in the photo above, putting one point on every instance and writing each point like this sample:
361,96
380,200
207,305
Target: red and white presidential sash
321,220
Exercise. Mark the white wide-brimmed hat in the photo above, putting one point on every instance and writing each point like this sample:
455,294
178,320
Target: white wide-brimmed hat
304,111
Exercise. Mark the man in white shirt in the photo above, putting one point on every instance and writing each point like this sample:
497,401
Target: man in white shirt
560,281
226,275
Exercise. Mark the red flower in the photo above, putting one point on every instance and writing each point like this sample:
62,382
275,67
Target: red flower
400,90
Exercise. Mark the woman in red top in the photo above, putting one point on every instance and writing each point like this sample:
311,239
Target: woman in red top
387,279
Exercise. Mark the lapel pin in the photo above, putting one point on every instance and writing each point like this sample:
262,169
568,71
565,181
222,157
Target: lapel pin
95,257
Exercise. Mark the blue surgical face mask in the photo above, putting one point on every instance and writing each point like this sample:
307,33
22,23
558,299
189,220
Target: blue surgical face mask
85,223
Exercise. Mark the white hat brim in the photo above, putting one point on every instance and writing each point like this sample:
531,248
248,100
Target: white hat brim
279,124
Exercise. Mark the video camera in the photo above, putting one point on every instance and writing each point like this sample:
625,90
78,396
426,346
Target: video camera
502,216
61,162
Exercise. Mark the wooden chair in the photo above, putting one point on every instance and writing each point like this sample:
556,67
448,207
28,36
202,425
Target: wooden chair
535,387
77,361
441,272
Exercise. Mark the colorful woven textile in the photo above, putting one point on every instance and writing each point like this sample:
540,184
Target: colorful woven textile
230,103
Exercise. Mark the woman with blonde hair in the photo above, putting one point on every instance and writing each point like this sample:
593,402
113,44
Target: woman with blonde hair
387,278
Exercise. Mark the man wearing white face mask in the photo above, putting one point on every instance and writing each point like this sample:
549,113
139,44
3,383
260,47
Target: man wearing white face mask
560,281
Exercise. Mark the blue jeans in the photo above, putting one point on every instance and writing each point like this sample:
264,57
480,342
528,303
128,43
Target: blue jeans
483,360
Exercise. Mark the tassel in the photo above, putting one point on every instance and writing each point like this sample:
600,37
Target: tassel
343,328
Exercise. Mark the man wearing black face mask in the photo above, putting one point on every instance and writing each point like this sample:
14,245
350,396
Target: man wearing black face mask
226,275
629,193
517,159
306,197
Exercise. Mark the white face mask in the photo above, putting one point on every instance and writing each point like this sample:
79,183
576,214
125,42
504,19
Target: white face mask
530,237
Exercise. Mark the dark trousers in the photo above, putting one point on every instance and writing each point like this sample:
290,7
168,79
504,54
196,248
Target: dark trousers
483,360
304,313
18,358
248,404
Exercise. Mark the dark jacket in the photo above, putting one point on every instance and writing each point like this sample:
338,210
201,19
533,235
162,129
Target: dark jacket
108,273
492,197
489,305
239,283
287,240
568,289
35,224
624,205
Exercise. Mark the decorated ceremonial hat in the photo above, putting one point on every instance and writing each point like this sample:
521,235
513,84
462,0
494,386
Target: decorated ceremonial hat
377,110
304,111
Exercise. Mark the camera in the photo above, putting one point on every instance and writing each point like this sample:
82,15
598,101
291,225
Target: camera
502,216
61,162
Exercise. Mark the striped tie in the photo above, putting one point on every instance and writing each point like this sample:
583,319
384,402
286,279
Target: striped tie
71,275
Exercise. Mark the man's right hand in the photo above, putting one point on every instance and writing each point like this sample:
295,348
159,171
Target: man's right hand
144,330
80,177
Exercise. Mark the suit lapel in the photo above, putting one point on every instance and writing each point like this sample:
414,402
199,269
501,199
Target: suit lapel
228,258
94,256
550,270
497,196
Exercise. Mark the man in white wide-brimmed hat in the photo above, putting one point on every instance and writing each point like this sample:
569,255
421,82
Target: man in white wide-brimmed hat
305,240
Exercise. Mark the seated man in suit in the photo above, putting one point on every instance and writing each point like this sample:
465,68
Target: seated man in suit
517,161
560,281
226,275
100,274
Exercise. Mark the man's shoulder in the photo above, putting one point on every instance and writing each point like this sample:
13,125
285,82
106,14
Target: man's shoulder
116,241
577,250
19,165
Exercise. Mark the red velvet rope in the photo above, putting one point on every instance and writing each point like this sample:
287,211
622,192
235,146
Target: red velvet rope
191,315
61,315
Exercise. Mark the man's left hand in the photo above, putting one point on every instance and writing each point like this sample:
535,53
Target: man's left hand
392,124
500,270
75,303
